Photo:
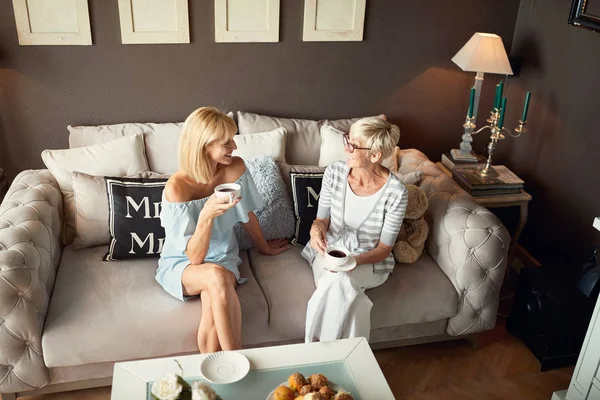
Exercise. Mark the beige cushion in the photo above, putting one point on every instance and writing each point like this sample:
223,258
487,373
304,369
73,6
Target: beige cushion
405,298
161,140
116,311
91,218
303,140
270,143
118,157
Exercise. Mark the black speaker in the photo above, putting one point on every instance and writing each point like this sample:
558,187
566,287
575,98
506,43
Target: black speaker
550,314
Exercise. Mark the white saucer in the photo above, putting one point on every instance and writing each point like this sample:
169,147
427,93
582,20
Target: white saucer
350,264
224,367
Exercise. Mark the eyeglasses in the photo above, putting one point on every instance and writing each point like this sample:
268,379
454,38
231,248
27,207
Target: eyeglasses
352,147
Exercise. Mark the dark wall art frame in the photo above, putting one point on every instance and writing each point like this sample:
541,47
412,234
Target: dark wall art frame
578,16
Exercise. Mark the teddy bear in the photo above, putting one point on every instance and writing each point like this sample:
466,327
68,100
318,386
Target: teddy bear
411,239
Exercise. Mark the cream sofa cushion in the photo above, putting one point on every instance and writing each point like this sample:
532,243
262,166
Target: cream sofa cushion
119,157
303,138
116,311
91,218
302,144
161,140
270,143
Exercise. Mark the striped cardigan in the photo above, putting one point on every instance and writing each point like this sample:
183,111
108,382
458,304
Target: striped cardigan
382,223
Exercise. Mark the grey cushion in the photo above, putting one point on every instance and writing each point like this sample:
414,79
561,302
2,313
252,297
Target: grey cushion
418,292
115,311
276,218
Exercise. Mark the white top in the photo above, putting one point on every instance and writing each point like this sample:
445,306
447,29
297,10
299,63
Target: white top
357,208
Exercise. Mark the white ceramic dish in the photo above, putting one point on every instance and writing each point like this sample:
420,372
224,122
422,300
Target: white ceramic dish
336,261
335,387
350,264
224,367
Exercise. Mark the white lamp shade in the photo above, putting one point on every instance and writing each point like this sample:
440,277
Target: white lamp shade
484,52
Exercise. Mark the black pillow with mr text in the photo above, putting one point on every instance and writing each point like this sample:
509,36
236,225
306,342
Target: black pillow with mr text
306,188
134,218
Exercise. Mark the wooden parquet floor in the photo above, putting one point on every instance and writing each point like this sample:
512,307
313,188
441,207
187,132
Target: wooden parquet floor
501,368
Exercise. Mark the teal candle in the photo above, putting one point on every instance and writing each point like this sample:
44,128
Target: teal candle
471,102
526,106
500,93
502,112
497,98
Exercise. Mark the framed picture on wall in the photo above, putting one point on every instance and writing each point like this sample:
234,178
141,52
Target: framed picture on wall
148,22
246,21
334,20
58,22
585,13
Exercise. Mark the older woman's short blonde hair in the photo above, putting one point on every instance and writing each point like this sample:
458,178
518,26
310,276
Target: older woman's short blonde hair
378,134
201,128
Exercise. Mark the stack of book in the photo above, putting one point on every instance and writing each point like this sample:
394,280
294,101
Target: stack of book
451,163
503,181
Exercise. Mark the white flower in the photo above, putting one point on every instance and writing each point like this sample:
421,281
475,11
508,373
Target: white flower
201,391
167,388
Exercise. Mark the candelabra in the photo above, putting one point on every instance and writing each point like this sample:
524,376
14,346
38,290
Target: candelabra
496,134
496,127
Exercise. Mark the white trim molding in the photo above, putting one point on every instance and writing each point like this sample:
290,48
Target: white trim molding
334,20
153,22
246,21
63,22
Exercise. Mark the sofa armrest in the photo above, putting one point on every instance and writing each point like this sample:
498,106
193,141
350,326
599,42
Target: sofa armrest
30,228
468,243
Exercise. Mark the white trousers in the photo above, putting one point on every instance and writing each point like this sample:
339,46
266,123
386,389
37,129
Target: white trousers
339,308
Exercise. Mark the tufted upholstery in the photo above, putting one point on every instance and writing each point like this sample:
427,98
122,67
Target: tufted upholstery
30,221
467,242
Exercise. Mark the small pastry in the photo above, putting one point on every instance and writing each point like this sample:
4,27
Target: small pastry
304,390
327,392
284,393
314,396
317,381
296,381
343,396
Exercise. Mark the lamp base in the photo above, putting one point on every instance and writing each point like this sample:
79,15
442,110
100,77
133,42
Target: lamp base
463,156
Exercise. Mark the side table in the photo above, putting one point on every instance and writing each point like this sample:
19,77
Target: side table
506,200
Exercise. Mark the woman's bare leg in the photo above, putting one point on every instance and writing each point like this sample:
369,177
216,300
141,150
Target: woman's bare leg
225,305
208,341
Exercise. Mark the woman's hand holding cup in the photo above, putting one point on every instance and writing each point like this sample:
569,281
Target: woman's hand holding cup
318,238
216,206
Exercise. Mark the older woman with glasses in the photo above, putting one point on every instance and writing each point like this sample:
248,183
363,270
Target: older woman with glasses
361,208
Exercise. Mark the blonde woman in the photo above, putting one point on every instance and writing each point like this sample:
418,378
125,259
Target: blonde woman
361,208
200,253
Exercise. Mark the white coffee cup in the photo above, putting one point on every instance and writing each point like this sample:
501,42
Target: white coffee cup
228,190
336,256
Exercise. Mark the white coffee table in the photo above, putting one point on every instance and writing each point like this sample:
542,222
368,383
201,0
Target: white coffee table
349,363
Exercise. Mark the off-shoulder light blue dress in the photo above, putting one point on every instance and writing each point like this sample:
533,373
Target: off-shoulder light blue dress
179,221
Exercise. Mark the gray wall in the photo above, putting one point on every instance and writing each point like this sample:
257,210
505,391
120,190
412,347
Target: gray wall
402,68
559,158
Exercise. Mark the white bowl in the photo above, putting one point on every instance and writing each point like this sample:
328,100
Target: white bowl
224,367
332,261
229,190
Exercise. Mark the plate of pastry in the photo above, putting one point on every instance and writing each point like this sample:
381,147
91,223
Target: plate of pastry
315,387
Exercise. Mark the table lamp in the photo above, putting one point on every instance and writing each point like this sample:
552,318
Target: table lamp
483,53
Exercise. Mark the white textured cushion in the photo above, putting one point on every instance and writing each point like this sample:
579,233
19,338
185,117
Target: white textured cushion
91,218
270,143
119,157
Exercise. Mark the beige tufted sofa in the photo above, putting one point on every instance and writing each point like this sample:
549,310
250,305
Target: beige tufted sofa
66,317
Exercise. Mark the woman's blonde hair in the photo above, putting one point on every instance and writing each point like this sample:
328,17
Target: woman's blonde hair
201,128
378,134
